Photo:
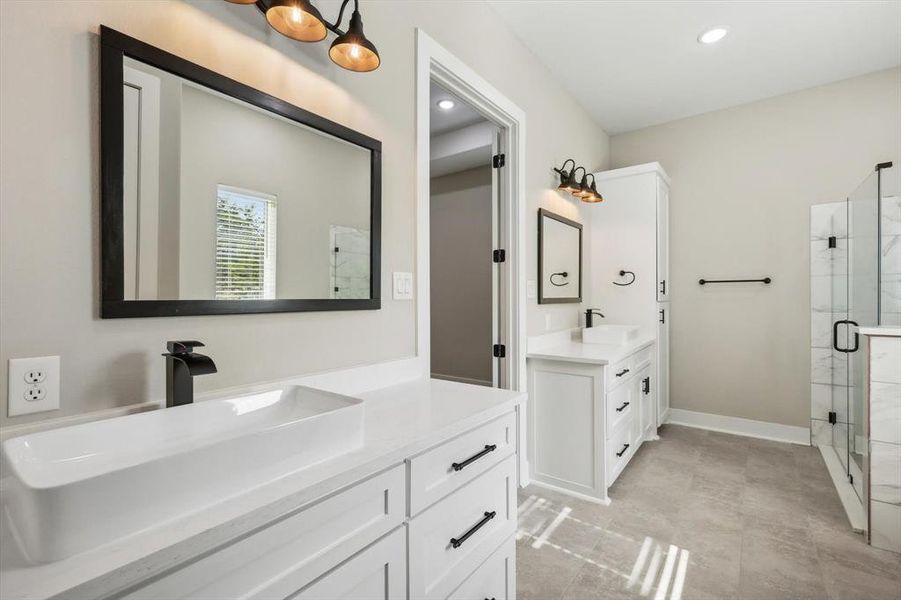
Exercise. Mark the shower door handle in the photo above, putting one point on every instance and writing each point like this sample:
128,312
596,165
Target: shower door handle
835,336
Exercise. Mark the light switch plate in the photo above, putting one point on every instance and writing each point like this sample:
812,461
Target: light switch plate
403,286
33,385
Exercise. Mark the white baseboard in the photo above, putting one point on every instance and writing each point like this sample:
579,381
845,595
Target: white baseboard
738,426
562,490
468,380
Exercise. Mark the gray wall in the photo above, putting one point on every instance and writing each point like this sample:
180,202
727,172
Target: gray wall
50,173
461,275
743,180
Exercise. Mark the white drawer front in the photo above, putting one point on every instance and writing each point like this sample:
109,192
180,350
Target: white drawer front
439,471
642,358
377,573
620,447
496,578
281,558
620,407
619,373
437,567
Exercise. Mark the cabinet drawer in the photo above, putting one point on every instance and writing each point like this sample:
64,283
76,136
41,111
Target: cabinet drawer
620,407
450,539
620,447
281,558
377,573
439,471
642,358
619,372
496,578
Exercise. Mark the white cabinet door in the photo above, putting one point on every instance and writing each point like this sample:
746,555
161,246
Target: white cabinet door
663,284
663,325
495,579
377,573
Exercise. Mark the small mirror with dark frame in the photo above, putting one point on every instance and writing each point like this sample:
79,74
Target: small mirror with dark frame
218,198
559,259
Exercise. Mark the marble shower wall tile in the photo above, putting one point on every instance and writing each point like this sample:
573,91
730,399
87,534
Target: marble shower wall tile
820,433
828,261
885,472
885,359
828,367
828,219
821,328
891,216
885,520
891,254
828,294
820,401
885,412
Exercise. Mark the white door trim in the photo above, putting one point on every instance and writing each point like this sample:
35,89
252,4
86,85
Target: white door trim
433,62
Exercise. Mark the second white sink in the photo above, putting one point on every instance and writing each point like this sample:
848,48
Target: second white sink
75,488
609,334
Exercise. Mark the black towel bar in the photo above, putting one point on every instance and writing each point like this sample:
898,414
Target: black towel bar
706,281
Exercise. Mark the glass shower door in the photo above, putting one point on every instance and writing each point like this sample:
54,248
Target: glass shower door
862,311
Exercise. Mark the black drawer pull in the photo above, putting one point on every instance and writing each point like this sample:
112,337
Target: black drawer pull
646,385
457,542
623,407
623,451
623,372
460,465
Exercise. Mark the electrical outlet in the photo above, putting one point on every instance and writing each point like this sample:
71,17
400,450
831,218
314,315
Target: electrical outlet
33,385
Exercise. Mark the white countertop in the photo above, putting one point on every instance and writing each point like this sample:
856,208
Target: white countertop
595,354
400,421
881,330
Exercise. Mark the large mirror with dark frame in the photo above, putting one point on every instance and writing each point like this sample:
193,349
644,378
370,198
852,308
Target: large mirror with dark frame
218,198
559,259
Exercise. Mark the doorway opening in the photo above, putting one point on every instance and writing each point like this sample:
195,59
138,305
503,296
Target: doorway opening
465,212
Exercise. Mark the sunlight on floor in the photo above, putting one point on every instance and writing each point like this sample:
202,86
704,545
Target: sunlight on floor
539,519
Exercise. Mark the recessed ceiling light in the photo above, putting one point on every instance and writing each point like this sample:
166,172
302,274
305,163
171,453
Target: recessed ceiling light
713,35
446,104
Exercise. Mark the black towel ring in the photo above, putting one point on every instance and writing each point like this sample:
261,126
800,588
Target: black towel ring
623,274
563,274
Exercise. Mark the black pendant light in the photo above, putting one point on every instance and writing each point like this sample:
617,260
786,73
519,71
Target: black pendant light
300,20
352,50
297,19
568,181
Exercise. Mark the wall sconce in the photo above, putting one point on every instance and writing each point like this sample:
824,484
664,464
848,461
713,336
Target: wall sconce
581,189
301,21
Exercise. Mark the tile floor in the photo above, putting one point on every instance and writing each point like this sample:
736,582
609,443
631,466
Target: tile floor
702,515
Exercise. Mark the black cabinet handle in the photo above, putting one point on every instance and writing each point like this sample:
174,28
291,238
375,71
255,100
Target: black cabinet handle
646,385
623,372
460,465
663,287
835,336
623,407
623,451
662,315
457,542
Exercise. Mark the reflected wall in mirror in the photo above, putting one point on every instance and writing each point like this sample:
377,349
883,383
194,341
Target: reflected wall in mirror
218,198
559,259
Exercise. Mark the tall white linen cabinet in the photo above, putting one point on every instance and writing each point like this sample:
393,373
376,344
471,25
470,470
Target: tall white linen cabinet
630,234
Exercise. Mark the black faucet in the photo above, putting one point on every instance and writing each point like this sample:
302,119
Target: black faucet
182,364
589,316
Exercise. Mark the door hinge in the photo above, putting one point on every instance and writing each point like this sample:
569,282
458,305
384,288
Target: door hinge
832,417
832,241
498,160
499,256
499,351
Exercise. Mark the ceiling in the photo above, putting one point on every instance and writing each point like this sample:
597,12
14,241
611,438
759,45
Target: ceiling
442,121
635,64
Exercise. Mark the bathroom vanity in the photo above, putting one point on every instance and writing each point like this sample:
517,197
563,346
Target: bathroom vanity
592,404
405,490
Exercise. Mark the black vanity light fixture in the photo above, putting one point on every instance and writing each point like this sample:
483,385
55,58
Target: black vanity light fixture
580,189
300,20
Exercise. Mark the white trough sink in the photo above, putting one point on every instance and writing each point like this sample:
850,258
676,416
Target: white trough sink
609,334
72,489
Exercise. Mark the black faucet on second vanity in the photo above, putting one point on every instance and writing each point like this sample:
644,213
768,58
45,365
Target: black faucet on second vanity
589,316
182,364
